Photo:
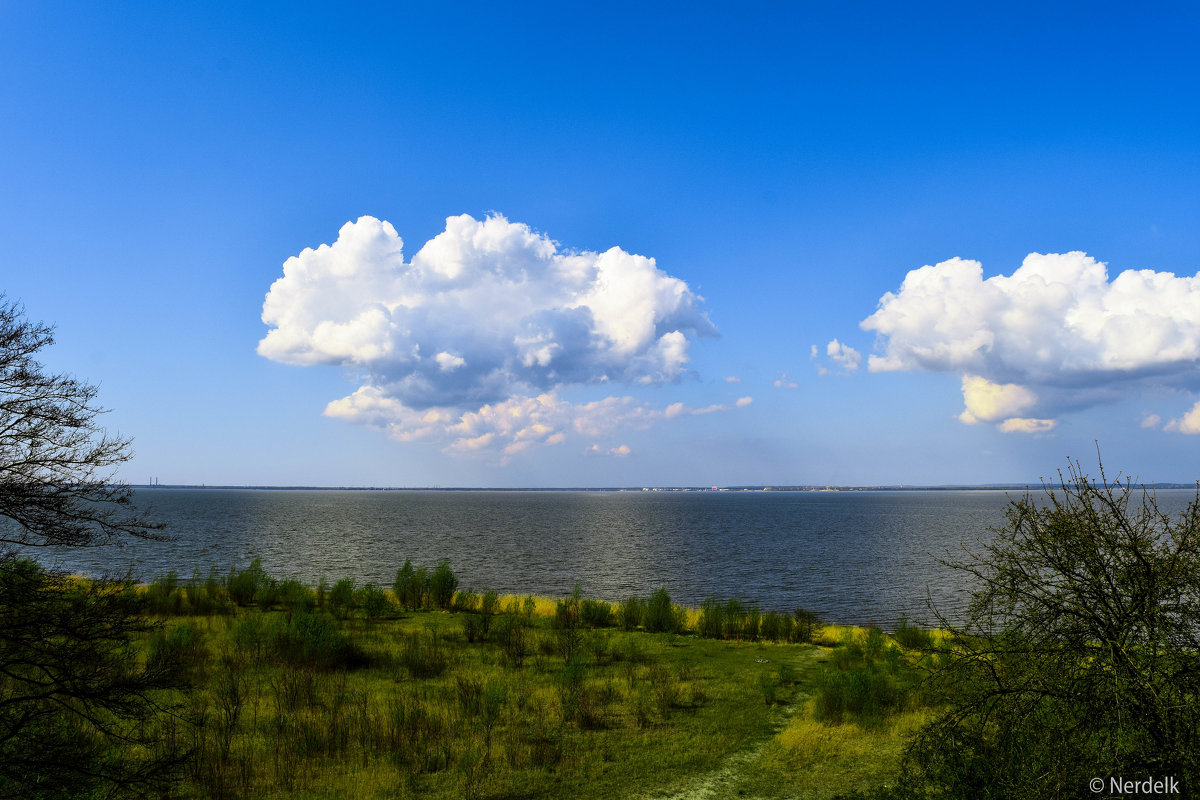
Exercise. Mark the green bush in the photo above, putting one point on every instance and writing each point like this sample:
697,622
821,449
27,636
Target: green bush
712,619
411,586
806,626
374,601
750,626
294,593
423,656
567,620
512,633
341,598
1079,655
865,684
466,600
243,585
312,639
772,627
735,618
911,637
632,613
164,596
180,652
490,603
205,594
596,613
660,614
267,594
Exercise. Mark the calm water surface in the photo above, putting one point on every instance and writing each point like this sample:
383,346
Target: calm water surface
855,557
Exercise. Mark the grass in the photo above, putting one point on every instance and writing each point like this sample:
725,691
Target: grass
378,702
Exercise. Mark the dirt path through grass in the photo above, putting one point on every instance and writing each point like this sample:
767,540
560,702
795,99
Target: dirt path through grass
720,783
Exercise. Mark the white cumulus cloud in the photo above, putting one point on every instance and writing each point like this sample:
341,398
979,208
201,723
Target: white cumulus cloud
992,402
1054,335
1027,425
845,356
509,426
619,452
469,341
1188,423
485,310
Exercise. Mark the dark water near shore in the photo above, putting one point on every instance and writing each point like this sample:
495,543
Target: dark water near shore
855,557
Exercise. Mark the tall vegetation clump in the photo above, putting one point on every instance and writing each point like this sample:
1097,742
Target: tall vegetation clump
1080,655
442,584
661,616
866,681
80,712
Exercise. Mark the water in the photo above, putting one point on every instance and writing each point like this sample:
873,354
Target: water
855,557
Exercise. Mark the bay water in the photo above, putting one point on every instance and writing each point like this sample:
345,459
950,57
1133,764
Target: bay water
853,556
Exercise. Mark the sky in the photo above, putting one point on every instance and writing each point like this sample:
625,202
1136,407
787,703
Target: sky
482,244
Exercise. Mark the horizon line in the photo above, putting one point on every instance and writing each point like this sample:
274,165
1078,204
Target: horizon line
660,488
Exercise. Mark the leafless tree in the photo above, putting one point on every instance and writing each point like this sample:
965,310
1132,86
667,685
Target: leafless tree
57,484
81,711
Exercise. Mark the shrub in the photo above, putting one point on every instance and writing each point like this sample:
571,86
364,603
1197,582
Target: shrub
179,652
712,619
164,596
374,601
751,624
567,618
204,594
772,626
490,603
411,586
735,618
660,614
294,593
911,637
596,613
466,600
568,611
512,633
423,657
401,587
806,626
1078,657
341,598
242,585
442,584
248,635
312,639
865,684
472,628
632,613
267,593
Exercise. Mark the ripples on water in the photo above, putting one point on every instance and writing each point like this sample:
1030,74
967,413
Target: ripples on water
855,557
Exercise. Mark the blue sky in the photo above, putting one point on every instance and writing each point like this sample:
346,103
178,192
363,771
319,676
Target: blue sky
785,167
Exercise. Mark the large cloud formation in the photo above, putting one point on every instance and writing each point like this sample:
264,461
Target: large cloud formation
471,338
1055,335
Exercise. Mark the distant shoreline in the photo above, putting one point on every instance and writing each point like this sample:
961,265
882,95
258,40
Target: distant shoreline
996,487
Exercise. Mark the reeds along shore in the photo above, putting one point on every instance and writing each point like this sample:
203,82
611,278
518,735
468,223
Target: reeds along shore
426,689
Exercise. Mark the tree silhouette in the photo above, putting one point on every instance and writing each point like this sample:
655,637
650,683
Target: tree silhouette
1080,656
79,708
57,464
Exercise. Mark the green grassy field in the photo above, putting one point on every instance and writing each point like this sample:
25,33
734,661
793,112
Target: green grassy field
361,699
